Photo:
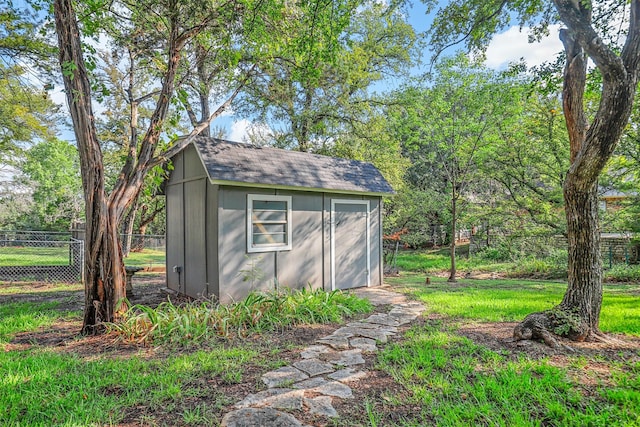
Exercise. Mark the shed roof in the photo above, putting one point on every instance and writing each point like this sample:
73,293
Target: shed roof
245,164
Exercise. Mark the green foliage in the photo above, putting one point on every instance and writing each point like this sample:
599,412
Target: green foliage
566,322
52,168
202,321
26,112
315,93
622,273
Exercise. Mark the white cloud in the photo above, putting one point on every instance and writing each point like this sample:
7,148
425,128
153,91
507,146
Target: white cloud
246,131
513,44
239,130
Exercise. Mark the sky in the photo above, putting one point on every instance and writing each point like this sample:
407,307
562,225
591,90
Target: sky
509,46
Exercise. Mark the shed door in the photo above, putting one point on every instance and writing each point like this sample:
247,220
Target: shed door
349,244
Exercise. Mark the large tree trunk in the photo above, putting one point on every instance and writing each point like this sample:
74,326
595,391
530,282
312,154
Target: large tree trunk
104,268
584,291
577,316
104,273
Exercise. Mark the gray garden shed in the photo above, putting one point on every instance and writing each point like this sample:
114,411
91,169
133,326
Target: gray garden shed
242,217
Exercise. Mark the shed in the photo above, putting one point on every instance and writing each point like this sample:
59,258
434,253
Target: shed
242,217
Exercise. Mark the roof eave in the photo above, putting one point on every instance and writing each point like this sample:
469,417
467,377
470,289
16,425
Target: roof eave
294,188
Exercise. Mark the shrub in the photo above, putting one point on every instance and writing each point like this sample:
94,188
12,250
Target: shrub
201,321
623,273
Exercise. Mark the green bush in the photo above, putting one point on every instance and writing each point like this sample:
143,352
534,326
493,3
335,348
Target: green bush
200,321
623,273
499,253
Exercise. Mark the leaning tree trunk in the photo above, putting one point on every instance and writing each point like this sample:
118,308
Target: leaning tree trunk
104,268
127,228
104,273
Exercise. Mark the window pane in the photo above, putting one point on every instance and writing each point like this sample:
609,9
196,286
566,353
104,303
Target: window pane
269,228
272,205
263,216
269,239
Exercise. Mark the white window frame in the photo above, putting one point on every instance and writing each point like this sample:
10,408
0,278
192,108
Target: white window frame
251,247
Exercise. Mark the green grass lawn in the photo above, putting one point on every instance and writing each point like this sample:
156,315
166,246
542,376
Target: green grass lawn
26,256
108,380
146,258
435,260
511,300
36,256
454,381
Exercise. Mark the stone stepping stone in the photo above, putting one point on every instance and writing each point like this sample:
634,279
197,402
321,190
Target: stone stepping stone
278,398
283,376
335,389
347,375
364,344
335,342
314,367
375,334
310,384
382,319
314,351
322,386
361,325
345,358
321,405
251,417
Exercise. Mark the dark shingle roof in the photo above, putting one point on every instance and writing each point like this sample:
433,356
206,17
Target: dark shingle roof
249,164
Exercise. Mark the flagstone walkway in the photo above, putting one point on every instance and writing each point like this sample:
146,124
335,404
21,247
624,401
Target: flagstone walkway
325,370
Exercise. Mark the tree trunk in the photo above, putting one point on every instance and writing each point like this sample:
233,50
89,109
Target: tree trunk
452,253
584,291
104,272
577,316
127,228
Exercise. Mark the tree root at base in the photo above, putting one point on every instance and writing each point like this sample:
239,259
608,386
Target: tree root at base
550,324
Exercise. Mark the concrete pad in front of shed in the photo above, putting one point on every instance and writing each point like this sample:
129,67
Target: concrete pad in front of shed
379,296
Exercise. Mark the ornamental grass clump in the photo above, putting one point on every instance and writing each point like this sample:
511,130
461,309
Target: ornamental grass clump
201,321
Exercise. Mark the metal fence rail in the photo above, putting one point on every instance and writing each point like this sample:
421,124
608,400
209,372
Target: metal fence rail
38,258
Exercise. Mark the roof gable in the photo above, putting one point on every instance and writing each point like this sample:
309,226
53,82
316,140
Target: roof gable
246,164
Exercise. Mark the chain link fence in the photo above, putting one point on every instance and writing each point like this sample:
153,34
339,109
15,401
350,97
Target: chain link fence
40,256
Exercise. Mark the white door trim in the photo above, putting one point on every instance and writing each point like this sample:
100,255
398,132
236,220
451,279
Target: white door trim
335,202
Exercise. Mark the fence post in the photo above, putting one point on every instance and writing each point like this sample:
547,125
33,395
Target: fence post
610,257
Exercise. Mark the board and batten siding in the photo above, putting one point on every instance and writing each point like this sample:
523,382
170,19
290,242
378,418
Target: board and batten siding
242,272
188,245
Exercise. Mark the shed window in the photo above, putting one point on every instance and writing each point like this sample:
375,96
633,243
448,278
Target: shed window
268,223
